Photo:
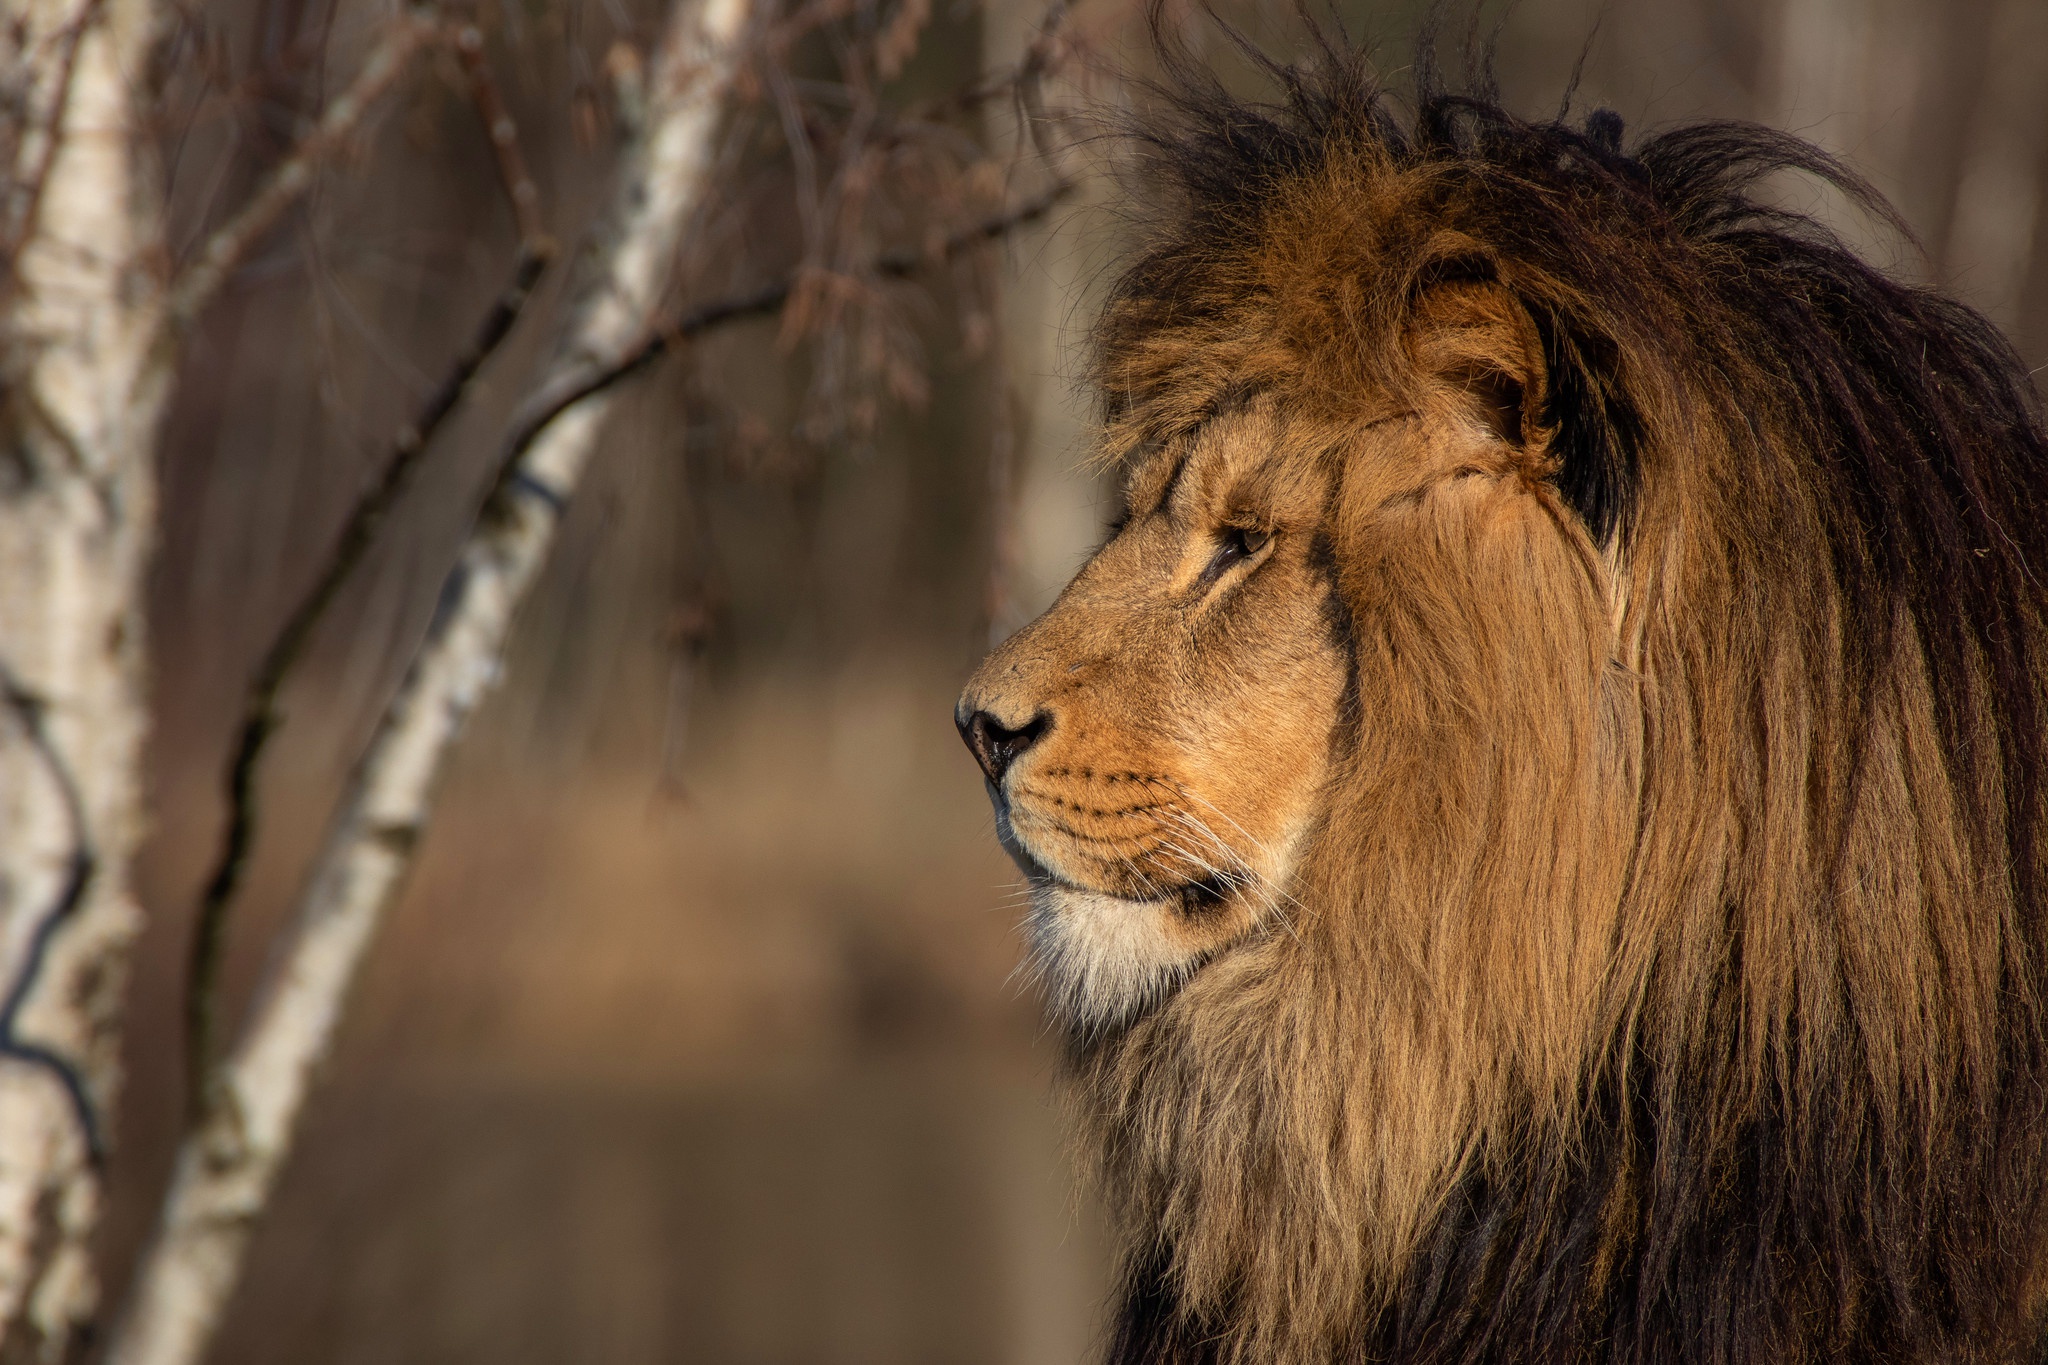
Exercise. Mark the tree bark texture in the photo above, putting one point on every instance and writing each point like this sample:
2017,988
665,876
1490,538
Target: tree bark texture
83,386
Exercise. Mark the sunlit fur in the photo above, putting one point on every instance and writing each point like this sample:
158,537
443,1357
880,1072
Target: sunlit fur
1574,891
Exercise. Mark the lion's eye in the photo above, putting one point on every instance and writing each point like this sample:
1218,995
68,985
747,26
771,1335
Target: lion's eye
1235,543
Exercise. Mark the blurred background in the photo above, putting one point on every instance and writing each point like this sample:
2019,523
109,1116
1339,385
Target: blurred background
694,1037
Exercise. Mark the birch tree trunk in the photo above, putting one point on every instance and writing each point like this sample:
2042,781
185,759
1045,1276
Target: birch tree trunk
83,385
226,1169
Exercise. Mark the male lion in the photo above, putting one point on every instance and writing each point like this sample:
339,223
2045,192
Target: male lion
1535,812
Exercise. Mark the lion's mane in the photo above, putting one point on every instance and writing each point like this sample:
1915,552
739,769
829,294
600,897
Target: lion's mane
1753,1070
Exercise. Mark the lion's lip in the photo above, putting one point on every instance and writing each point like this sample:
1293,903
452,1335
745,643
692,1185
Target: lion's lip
1036,872
1191,898
1006,835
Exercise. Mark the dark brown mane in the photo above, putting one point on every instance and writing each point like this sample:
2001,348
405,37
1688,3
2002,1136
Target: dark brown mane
1740,1185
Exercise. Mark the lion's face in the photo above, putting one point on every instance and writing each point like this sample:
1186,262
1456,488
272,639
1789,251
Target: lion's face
1162,745
1155,742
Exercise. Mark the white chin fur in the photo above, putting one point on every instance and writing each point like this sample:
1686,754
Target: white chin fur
1101,958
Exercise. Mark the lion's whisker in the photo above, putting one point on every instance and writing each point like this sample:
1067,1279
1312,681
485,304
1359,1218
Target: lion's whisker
1250,874
1243,876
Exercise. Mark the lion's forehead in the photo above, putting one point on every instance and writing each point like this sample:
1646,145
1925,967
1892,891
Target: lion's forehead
1249,458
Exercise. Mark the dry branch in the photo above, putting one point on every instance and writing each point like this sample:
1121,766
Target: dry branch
520,191
260,713
567,390
228,245
225,1170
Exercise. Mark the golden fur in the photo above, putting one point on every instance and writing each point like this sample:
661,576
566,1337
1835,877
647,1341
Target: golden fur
1534,845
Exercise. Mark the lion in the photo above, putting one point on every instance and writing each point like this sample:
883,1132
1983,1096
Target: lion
1534,813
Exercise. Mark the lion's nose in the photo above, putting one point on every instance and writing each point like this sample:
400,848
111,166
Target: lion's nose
995,745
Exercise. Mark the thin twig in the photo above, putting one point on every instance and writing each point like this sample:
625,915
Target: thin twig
80,865
260,715
1036,63
513,173
196,284
894,265
1029,80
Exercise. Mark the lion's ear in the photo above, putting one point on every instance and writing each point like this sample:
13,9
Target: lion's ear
1474,342
1530,376
1592,433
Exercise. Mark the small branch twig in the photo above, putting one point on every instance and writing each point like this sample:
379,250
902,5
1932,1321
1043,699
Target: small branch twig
260,715
80,865
195,285
573,388
1027,72
513,173
1028,82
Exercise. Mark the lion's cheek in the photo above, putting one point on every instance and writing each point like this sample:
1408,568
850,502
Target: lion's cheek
1261,762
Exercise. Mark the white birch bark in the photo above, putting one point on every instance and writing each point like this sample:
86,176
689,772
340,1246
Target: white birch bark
77,501
225,1171
83,390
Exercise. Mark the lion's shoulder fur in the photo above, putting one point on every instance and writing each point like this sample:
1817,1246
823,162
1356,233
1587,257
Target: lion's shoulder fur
1749,1065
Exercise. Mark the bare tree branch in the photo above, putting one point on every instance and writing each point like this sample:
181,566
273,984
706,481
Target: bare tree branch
1029,79
260,713
1020,81
567,390
520,191
226,1168
202,278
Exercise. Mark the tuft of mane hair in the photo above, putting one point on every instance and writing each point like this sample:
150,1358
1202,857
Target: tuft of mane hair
1803,1112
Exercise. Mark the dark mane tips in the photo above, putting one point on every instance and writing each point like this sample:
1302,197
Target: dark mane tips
1899,395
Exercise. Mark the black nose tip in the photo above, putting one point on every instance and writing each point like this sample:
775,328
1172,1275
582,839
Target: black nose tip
995,745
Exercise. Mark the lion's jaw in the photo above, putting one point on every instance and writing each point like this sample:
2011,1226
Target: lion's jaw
1102,959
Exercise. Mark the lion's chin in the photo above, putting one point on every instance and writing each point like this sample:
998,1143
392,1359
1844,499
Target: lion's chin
1103,960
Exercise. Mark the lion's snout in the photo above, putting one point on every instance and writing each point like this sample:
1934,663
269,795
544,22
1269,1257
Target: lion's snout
1011,704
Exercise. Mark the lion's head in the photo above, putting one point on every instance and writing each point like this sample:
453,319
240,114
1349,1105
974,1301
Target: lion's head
1533,812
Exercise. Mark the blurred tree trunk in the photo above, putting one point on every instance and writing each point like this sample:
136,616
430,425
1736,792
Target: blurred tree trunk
1046,500
83,383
